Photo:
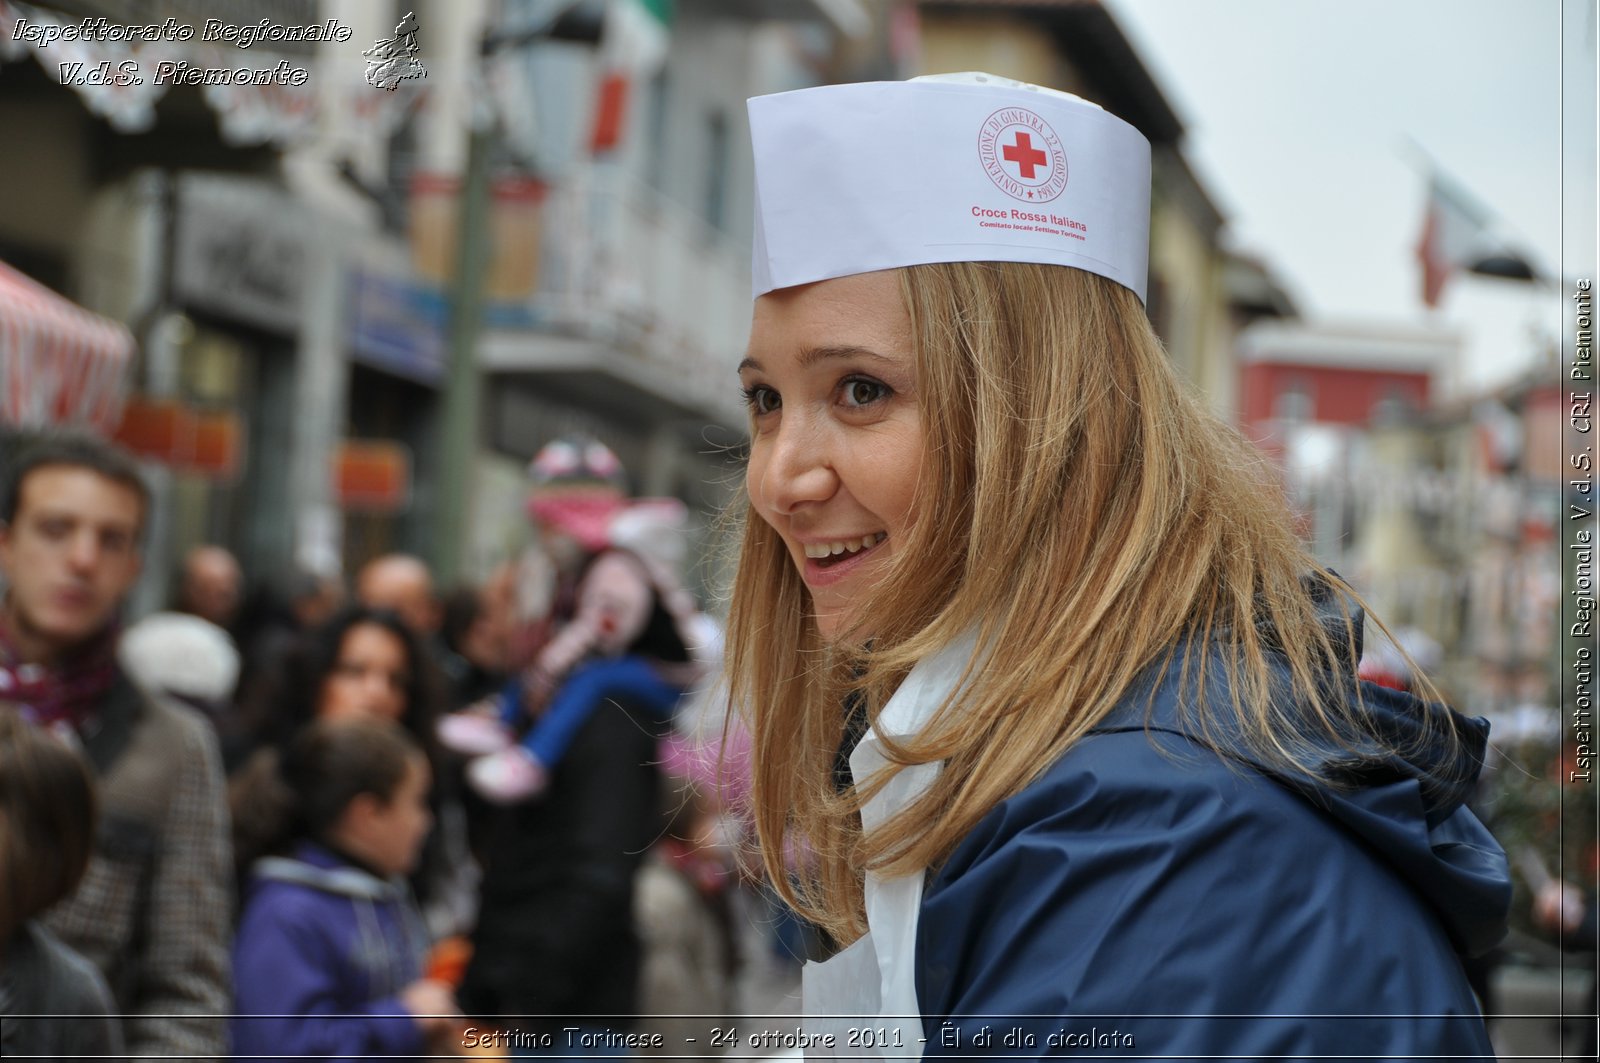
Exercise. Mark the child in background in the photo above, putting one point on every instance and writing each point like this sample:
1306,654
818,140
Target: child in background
330,946
47,822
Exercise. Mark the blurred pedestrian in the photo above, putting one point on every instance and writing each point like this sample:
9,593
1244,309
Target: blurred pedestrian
152,910
54,1003
314,597
365,664
1572,916
275,617
211,586
684,909
1034,661
621,625
404,585
476,627
330,947
555,944
362,662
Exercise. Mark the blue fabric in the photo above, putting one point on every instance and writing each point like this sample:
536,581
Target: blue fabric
1160,885
629,678
323,989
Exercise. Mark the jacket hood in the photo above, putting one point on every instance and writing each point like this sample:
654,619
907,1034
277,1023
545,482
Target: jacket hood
1398,773
315,867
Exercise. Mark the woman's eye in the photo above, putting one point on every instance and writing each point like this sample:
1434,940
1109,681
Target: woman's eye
863,392
761,399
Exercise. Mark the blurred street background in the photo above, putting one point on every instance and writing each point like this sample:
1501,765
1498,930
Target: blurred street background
336,320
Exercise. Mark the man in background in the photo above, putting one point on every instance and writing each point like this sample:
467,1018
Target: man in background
211,586
404,585
152,912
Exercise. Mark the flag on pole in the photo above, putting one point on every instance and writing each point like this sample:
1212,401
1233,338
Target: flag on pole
633,47
1453,235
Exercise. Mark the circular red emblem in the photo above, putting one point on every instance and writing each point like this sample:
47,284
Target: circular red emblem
1022,155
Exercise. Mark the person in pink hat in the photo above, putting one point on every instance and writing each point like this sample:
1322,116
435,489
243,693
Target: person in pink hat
619,623
555,939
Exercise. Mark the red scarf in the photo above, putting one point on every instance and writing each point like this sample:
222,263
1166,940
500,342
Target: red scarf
68,694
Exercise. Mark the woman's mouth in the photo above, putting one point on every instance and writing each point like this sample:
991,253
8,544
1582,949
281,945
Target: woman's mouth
832,559
833,552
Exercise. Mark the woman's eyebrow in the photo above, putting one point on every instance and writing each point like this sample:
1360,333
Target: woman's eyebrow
812,355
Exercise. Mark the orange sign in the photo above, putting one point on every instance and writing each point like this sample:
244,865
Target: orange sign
372,475
205,442
218,444
159,429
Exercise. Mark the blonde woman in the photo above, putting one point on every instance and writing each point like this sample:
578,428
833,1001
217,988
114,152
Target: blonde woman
1034,662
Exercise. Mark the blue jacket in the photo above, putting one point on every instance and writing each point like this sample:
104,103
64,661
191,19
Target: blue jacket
322,951
1160,892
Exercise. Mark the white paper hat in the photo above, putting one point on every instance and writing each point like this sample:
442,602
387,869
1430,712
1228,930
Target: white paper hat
953,168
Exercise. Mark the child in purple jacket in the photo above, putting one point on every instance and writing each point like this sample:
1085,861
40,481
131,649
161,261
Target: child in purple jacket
328,958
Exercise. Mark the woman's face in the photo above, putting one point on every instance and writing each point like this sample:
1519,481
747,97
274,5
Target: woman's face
836,435
369,678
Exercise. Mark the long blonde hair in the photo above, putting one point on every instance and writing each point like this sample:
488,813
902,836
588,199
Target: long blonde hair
1088,518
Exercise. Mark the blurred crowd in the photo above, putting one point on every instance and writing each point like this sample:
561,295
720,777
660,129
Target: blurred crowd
312,821
392,820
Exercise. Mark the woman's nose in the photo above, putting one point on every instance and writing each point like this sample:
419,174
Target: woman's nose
798,468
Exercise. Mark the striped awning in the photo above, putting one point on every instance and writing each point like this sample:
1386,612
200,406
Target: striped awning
59,363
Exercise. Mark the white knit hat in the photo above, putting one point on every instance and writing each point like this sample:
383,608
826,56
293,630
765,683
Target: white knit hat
182,655
953,168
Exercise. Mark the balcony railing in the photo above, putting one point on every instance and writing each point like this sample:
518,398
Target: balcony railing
625,267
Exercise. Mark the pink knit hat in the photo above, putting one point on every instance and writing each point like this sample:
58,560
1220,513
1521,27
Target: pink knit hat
578,488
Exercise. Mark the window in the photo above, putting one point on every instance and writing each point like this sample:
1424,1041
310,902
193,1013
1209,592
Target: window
716,202
656,133
1293,402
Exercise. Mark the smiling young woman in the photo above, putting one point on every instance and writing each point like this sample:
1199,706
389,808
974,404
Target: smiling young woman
836,434
1033,659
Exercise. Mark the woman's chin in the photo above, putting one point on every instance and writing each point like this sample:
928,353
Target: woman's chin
836,628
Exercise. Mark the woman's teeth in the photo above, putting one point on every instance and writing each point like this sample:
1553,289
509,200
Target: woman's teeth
844,546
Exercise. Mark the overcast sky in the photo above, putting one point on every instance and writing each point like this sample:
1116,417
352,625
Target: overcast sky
1311,123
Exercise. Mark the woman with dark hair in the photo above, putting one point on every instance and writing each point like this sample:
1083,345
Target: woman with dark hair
362,662
365,663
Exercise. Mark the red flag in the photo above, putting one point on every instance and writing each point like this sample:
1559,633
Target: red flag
633,47
1452,234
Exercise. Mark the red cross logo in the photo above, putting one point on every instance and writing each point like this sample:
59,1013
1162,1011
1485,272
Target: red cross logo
1025,155
1022,155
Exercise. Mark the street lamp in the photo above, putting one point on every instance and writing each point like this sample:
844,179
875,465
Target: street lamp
1506,265
580,22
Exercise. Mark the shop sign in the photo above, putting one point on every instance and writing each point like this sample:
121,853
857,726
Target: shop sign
397,325
218,444
206,443
372,476
157,429
241,251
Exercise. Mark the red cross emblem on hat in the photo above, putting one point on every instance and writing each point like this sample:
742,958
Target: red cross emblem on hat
1025,155
1022,155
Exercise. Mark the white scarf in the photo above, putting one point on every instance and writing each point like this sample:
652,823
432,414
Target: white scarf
866,996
